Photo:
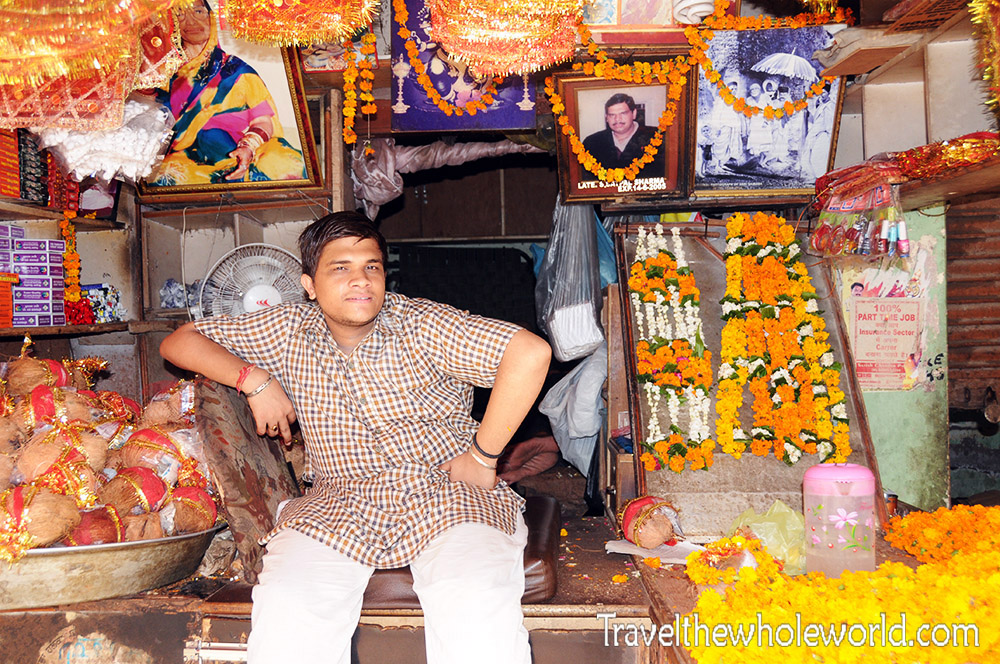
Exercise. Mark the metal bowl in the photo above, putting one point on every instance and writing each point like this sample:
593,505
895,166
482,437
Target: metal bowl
65,575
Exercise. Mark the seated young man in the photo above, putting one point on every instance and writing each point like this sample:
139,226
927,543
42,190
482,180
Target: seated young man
401,474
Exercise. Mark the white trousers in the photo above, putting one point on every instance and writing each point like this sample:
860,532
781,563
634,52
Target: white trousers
469,580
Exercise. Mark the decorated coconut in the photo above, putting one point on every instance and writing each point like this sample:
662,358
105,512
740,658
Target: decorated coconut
70,475
98,525
26,373
174,405
142,527
171,450
189,510
649,521
134,491
51,405
116,406
43,448
32,516
11,437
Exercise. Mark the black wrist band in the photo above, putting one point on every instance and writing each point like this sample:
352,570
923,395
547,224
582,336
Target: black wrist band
475,444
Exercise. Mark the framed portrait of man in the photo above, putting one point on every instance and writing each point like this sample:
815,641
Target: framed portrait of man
241,123
612,123
760,155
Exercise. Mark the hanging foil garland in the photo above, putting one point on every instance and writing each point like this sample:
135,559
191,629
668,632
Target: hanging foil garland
986,17
297,22
60,92
45,39
501,37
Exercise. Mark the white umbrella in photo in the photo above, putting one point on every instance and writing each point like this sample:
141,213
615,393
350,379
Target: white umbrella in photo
788,65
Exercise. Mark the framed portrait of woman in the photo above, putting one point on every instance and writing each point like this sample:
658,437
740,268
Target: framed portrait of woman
611,123
241,123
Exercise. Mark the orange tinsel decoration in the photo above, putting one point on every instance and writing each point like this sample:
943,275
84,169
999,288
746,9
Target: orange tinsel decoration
297,22
502,37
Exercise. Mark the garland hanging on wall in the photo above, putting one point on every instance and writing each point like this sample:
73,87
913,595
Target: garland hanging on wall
358,76
774,342
671,359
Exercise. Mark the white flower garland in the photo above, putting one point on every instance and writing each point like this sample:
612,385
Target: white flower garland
670,319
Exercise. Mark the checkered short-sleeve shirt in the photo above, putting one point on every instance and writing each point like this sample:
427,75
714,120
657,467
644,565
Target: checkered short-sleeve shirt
377,423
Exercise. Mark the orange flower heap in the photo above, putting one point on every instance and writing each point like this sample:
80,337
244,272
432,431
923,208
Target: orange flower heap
940,535
712,565
775,344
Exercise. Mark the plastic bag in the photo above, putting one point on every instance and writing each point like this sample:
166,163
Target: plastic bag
783,532
567,293
573,406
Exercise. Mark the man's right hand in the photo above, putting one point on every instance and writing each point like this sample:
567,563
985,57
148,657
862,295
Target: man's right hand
272,409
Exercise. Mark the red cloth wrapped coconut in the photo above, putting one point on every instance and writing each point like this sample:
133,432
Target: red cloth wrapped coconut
100,525
49,405
134,491
648,521
47,445
32,516
115,405
193,510
161,448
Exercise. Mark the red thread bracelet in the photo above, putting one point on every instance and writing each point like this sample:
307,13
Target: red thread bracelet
244,372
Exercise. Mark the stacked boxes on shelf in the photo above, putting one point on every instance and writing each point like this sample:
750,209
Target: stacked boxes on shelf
10,170
7,279
34,169
38,297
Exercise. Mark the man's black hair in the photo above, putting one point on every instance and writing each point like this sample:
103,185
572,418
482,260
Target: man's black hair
333,227
620,98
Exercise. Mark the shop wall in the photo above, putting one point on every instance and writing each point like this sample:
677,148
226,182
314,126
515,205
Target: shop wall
909,427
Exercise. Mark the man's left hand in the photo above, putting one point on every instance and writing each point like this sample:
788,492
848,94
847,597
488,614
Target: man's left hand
464,468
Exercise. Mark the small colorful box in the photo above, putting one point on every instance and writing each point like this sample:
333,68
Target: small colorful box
37,282
39,307
38,269
32,294
39,245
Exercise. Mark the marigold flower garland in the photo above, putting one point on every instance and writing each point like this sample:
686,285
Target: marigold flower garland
774,342
959,589
702,567
672,73
352,74
79,310
671,358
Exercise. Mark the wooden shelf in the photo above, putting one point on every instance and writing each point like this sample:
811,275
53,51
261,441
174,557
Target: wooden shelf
194,217
63,330
908,66
977,181
13,210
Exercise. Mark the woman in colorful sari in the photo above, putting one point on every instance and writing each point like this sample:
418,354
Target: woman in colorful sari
226,123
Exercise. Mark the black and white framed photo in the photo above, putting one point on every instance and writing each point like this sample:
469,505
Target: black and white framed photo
741,152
